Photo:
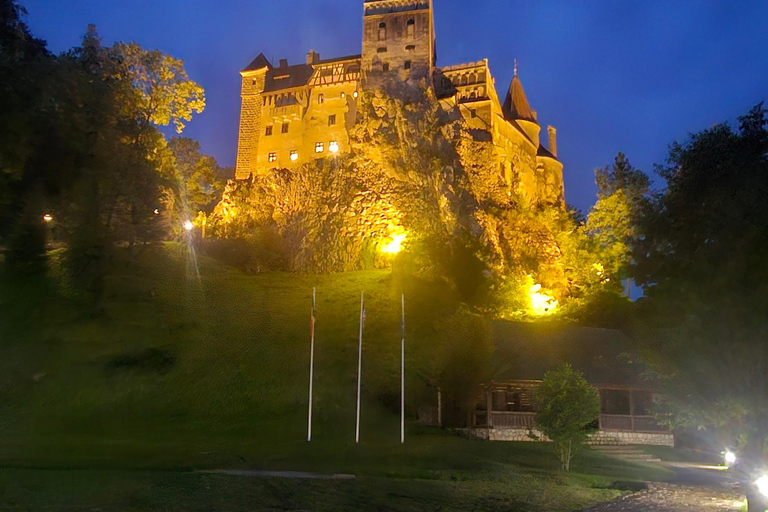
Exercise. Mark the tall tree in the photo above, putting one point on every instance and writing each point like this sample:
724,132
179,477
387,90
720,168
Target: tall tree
701,256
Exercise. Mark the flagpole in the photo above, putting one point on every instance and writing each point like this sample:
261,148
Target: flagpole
311,364
402,373
359,367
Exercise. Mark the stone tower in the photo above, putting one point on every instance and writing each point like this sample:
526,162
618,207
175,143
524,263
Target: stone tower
398,35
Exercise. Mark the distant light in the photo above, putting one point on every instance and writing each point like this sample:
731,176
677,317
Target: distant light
355,94
294,156
395,244
762,485
189,226
156,211
47,217
343,95
333,146
730,457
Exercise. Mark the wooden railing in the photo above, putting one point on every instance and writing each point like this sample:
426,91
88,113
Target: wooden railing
506,419
626,423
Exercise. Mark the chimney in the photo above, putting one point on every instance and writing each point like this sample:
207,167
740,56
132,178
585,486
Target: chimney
313,57
552,140
283,63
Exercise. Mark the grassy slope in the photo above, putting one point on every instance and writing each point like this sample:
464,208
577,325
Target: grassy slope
236,398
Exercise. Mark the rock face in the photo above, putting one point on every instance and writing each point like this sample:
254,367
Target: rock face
414,173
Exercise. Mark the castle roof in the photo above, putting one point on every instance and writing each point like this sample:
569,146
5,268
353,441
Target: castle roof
259,62
516,104
544,152
287,77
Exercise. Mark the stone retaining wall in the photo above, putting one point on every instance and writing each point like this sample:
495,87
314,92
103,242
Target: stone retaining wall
598,438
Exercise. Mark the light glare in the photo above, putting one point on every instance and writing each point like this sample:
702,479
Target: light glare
730,457
394,245
762,485
47,217
188,225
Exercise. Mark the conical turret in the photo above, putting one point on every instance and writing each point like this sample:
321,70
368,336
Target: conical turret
516,104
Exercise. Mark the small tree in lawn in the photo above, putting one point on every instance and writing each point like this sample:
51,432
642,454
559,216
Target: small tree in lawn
568,407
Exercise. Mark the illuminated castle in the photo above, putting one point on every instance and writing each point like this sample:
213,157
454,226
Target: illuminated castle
292,114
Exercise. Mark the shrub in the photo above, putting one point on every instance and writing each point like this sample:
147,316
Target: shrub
568,407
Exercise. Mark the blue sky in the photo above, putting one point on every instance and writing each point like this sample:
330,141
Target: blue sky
610,75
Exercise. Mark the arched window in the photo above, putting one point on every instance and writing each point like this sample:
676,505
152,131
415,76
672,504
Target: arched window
410,29
382,31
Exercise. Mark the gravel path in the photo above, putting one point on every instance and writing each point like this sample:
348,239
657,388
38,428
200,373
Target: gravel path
676,498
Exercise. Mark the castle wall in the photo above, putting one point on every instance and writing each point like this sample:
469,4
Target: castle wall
400,38
250,123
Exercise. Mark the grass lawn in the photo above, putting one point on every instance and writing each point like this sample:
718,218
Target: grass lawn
180,373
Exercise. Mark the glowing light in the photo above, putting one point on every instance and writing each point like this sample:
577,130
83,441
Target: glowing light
394,245
294,156
47,217
599,269
156,211
762,485
188,225
333,146
355,94
730,457
541,303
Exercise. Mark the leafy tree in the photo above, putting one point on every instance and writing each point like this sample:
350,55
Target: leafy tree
701,257
568,407
164,92
622,192
196,184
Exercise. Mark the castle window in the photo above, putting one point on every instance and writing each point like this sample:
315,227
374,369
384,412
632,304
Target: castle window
294,155
385,67
333,146
472,113
410,47
332,120
382,31
284,128
268,131
320,99
319,147
407,64
272,157
410,28
343,95
383,49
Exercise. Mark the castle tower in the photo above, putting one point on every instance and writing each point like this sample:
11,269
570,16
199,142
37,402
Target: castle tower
398,35
254,77
517,109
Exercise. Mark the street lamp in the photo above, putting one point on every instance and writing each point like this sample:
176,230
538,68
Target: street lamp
189,226
48,217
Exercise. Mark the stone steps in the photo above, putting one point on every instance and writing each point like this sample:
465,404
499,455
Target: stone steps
626,452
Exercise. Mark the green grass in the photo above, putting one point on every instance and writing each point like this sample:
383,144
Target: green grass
114,412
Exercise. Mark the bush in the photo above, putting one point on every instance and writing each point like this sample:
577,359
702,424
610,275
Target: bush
568,407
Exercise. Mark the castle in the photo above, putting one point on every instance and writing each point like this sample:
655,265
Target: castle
292,114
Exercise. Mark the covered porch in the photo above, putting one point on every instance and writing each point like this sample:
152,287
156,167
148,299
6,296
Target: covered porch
510,405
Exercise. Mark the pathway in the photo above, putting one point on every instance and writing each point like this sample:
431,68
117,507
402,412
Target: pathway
694,489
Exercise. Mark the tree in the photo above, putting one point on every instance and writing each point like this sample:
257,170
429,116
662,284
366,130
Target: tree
701,256
622,192
568,408
196,184
164,92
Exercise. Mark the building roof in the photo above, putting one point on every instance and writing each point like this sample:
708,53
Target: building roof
544,152
516,104
288,77
258,63
526,351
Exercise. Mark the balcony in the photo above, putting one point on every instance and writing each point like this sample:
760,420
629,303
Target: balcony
292,112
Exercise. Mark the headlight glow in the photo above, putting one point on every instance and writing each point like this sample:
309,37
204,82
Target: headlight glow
730,457
762,485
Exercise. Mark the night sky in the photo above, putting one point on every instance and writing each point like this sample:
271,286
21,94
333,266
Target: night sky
610,75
